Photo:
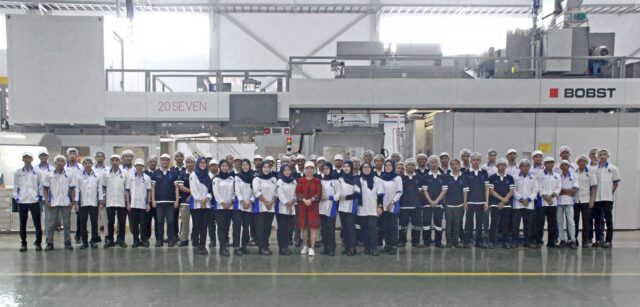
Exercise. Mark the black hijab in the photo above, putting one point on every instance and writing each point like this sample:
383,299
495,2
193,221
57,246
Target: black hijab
349,178
223,175
286,179
368,178
260,174
203,174
389,176
246,177
330,176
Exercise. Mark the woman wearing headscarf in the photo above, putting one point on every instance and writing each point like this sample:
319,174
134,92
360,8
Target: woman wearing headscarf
242,208
264,190
392,189
329,208
200,204
285,209
309,193
223,191
348,206
372,193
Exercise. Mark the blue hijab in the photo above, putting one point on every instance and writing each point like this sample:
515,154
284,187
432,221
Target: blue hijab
286,179
203,174
389,176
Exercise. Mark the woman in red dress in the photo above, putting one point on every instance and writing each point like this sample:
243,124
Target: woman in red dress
309,192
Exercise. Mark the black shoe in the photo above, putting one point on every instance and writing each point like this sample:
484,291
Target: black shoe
573,245
183,243
97,240
265,252
562,244
251,243
201,251
297,243
38,247
145,244
367,251
552,245
108,243
93,245
159,244
121,244
23,248
393,251
331,253
49,247
467,245
244,250
457,245
597,244
449,245
482,245
78,240
402,244
491,246
439,245
84,246
135,244
212,244
67,246
506,245
606,245
351,252
237,252
282,252
171,244
375,252
224,252
386,249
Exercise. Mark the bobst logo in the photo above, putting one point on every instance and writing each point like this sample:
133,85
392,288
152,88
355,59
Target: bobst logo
554,92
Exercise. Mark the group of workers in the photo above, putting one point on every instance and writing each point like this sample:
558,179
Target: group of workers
376,199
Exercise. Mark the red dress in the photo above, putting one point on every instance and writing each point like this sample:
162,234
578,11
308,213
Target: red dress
309,216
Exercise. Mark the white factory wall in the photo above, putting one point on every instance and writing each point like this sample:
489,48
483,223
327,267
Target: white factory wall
619,132
107,143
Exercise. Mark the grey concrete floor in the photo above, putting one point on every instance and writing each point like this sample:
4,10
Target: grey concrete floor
438,277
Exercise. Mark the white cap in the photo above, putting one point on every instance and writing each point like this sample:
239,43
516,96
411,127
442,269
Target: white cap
257,157
42,151
536,152
565,148
603,150
127,152
410,160
165,156
321,158
313,157
60,157
70,149
423,155
208,155
444,154
269,158
26,153
565,162
548,159
502,161
189,157
300,157
214,161
464,151
138,162
115,156
338,157
511,150
582,157
87,159
309,164
524,161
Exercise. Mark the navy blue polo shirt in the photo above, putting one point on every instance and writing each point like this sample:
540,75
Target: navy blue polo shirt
455,192
411,197
500,185
165,185
183,178
435,185
477,183
421,172
448,172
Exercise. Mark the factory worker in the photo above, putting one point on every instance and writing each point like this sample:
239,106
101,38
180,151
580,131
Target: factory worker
309,193
74,168
179,166
400,169
392,189
422,167
152,165
465,155
396,157
320,165
208,157
348,206
608,179
43,169
477,201
113,184
357,163
299,169
537,166
444,163
100,168
524,196
213,172
411,204
512,163
566,198
243,210
549,185
201,196
59,197
329,208
271,161
237,165
264,189
501,186
298,172
378,165
230,159
285,208
26,182
138,198
89,197
585,199
224,193
372,192
593,158
367,156
185,200
455,200
565,154
434,188
490,166
165,198
338,161
257,161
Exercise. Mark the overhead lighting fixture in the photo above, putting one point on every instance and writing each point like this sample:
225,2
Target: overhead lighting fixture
214,139
412,111
13,136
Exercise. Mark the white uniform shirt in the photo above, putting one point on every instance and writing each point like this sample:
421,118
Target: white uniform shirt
44,171
75,170
606,175
572,168
549,183
346,190
286,193
490,168
392,190
129,171
512,170
26,185
536,170
223,191
370,197
568,182
60,186
265,188
243,192
526,188
114,188
138,187
199,191
88,189
100,170
331,191
586,180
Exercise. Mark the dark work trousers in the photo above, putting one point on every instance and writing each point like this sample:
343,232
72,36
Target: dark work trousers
164,213
361,227
549,213
151,217
77,236
537,233
200,219
370,228
296,228
263,228
348,224
87,213
23,212
137,224
223,219
112,214
390,228
604,217
176,223
211,224
241,222
474,211
285,230
430,214
409,215
526,215
328,233
587,226
453,216
253,228
500,223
